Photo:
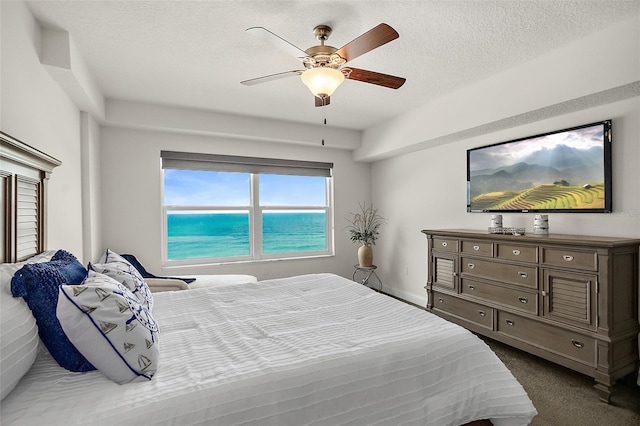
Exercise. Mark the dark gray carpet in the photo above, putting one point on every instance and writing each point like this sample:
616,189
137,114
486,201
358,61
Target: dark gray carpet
564,397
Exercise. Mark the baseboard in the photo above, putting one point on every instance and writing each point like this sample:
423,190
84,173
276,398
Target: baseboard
405,296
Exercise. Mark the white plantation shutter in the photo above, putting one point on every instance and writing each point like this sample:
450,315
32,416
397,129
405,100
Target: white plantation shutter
4,217
24,172
27,217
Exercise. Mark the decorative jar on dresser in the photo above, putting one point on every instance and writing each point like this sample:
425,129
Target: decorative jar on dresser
570,299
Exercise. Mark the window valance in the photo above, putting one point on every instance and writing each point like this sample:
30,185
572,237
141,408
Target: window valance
240,164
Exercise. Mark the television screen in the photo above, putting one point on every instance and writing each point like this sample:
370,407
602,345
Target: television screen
566,170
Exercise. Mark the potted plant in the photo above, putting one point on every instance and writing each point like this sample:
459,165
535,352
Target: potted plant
364,228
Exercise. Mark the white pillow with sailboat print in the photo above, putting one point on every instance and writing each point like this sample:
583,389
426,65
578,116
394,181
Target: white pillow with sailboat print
110,327
119,268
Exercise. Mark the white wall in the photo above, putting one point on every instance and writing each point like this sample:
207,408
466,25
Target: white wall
35,110
131,196
427,190
91,217
590,71
107,193
418,184
422,183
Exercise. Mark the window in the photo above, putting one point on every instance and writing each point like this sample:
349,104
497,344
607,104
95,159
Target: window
226,208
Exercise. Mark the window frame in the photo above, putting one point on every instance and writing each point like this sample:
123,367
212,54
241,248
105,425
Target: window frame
254,209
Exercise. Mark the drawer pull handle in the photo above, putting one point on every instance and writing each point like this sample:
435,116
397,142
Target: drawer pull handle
523,299
444,244
482,313
476,248
516,252
523,274
510,323
471,265
567,257
472,287
440,299
577,344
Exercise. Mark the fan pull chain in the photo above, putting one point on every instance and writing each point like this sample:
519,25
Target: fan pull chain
324,122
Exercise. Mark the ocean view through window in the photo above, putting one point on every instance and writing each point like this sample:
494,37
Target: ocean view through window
193,235
227,216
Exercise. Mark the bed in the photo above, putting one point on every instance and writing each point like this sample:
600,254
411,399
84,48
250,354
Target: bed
313,349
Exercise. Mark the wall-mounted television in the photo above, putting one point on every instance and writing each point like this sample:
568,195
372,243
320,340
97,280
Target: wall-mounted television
566,170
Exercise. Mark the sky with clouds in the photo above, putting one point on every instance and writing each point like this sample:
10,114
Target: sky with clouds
207,188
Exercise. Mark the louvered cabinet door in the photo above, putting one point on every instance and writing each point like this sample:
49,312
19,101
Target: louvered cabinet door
445,272
570,298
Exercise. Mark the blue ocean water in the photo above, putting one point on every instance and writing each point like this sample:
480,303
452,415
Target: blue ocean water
205,235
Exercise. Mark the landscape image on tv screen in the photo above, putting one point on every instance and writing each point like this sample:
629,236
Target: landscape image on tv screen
568,170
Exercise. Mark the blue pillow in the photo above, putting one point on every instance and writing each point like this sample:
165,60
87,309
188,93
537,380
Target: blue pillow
38,284
72,270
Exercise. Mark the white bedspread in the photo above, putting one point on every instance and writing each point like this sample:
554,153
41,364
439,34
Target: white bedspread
308,350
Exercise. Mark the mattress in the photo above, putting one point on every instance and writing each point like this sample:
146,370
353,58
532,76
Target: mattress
307,350
217,279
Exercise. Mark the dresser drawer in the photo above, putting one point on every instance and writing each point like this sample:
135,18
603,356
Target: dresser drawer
473,312
526,276
517,252
481,248
445,244
521,300
563,342
568,258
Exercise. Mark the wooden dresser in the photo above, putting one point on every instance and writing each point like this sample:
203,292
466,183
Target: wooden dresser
570,299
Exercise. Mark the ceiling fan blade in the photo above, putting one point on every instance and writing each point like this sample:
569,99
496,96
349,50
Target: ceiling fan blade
271,77
277,41
368,41
324,101
373,77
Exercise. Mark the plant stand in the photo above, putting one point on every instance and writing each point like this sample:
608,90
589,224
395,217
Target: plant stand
366,275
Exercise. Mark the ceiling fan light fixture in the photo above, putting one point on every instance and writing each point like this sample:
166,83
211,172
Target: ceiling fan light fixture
322,81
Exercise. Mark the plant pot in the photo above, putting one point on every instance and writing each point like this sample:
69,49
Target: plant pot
365,256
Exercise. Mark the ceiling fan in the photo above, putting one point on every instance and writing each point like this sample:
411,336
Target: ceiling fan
324,68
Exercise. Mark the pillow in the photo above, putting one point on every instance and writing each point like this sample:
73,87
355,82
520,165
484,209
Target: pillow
18,331
118,268
8,270
38,284
18,342
110,327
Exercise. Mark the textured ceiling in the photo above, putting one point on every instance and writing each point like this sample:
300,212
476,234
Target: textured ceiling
195,53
